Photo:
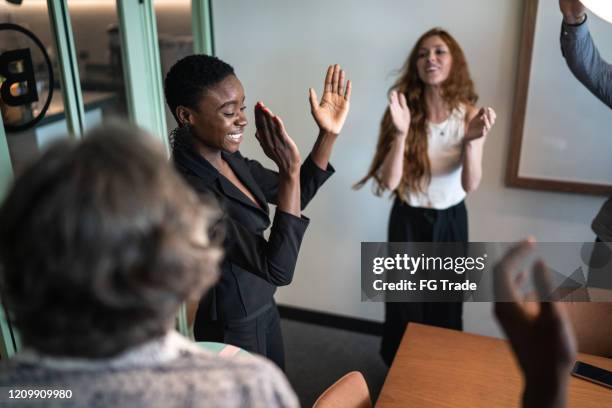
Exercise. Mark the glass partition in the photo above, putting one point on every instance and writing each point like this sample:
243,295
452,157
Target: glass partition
30,95
98,52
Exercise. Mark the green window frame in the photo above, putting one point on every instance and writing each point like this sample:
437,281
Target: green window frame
68,68
142,66
202,26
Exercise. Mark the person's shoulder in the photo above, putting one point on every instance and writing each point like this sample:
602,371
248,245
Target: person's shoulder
239,381
237,367
15,372
8,368
251,376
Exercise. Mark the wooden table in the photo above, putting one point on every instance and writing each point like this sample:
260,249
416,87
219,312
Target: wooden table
444,368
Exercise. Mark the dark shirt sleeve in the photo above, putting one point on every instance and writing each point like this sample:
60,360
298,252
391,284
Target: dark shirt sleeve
273,260
584,61
311,178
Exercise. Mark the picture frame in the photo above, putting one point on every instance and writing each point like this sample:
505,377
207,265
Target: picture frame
552,146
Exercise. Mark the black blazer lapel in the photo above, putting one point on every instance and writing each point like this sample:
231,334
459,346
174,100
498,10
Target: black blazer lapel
202,175
236,162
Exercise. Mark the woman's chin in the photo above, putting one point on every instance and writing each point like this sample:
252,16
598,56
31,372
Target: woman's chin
435,81
232,144
231,147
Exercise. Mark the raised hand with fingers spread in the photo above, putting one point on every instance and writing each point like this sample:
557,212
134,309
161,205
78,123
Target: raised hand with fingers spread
544,342
330,114
481,124
400,113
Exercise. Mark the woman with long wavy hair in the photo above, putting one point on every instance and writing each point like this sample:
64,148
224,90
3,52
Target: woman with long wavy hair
429,154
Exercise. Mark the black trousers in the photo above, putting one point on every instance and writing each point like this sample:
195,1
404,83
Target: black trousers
260,334
412,224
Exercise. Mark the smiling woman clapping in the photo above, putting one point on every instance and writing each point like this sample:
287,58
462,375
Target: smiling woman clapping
429,154
208,102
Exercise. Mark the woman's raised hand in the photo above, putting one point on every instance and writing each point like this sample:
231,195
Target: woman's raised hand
400,113
331,113
275,141
572,10
481,124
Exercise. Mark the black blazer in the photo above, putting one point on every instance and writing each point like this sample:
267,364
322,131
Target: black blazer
252,267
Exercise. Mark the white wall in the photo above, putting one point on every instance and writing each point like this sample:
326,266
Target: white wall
281,48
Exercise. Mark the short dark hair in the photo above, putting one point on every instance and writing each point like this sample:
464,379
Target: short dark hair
191,76
98,245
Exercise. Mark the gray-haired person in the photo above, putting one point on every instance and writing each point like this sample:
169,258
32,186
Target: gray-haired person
100,243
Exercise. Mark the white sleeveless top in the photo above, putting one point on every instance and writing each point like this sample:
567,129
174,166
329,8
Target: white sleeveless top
445,150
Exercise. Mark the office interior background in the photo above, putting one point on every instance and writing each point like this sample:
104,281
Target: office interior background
279,49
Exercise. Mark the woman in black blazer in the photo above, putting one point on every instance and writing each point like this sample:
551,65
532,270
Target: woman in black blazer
207,100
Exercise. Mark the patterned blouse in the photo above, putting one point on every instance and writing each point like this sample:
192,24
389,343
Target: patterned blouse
166,372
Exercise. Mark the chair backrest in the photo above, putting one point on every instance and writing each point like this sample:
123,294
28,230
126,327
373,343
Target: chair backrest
350,391
222,349
592,324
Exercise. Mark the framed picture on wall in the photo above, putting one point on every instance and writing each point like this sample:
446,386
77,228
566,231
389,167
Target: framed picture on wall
561,134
